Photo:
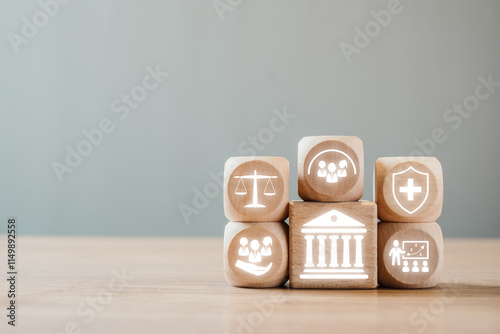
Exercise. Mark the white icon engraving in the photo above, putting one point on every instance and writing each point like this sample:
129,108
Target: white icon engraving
255,255
396,253
331,172
328,229
243,251
268,191
411,250
408,191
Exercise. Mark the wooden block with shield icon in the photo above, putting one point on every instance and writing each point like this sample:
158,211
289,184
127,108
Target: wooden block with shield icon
256,189
333,245
410,255
256,254
331,168
409,189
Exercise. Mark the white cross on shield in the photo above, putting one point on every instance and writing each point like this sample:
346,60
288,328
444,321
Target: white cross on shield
410,189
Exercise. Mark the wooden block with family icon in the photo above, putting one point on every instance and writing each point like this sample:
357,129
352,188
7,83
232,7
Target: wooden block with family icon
256,195
331,168
256,254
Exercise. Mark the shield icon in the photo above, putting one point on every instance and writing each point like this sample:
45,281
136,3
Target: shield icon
410,189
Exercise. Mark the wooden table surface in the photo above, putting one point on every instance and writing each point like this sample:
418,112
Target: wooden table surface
168,285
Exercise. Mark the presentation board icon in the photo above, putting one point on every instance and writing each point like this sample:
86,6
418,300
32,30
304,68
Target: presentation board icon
414,254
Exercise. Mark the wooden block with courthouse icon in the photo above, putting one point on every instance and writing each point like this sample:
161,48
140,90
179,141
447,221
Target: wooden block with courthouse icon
333,245
256,189
409,189
410,255
256,254
331,168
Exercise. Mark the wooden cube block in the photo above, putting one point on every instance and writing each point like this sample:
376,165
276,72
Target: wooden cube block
256,189
410,255
333,245
331,168
256,254
409,189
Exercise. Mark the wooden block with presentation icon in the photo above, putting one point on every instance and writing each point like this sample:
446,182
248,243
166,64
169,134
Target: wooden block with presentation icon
410,255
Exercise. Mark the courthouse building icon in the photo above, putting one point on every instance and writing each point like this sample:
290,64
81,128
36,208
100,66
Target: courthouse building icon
334,247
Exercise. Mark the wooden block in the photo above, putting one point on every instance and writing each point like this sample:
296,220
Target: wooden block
331,168
256,254
409,189
333,245
256,189
410,255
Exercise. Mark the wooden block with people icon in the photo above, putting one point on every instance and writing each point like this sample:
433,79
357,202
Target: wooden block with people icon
256,254
256,189
410,255
331,168
409,189
333,245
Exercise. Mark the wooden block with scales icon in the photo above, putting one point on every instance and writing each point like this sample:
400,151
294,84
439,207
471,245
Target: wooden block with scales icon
256,189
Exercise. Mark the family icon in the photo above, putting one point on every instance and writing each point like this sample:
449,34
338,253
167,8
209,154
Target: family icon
255,254
332,173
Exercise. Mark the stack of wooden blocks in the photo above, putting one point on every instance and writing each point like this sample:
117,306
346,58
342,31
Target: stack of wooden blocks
256,238
331,241
409,196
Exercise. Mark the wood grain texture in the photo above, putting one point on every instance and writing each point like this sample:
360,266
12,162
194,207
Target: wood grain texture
420,262
256,254
330,168
393,205
324,248
256,200
177,285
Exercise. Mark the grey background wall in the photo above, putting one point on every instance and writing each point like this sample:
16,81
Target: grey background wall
230,74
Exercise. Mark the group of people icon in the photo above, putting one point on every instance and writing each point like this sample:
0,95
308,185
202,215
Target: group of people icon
255,252
332,173
415,268
396,252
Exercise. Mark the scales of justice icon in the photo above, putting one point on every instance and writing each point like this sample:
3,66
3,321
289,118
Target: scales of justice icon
269,190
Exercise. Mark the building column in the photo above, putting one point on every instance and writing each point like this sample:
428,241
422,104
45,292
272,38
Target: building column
321,256
359,251
346,262
309,251
333,260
